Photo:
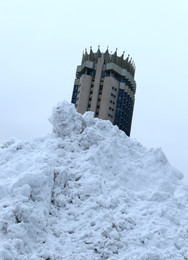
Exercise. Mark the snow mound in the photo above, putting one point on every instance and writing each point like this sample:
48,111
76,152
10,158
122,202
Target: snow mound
87,191
62,122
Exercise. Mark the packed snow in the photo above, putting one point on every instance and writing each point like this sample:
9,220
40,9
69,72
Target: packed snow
89,192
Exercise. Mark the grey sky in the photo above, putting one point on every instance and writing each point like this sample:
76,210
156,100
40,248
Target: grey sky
41,43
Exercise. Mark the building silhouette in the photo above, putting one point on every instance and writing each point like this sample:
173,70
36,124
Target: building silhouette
105,85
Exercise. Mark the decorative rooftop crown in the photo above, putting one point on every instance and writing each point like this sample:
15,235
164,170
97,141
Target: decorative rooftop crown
127,63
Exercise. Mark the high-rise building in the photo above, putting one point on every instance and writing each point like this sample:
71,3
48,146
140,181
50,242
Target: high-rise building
105,85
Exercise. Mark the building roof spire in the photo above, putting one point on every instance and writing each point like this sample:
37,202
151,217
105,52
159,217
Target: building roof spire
86,56
114,57
98,54
91,55
120,60
106,56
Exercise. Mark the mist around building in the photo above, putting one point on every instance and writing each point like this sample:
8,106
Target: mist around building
88,191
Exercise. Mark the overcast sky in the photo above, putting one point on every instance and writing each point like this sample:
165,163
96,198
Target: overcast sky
41,43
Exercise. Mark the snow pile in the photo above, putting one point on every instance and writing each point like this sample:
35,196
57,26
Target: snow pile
87,191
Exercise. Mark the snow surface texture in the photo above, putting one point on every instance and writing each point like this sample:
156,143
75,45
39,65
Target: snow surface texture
88,192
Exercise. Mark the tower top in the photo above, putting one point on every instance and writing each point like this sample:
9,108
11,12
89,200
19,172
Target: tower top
126,63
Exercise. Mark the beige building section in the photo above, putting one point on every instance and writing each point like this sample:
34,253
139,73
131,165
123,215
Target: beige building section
95,95
108,99
83,94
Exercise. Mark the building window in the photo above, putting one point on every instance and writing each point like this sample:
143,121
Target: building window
74,94
119,99
121,92
89,72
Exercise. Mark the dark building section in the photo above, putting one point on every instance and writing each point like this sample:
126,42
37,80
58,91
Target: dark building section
124,112
105,85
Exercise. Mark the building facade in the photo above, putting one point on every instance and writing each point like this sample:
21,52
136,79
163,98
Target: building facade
105,85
